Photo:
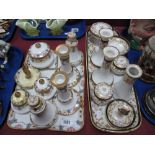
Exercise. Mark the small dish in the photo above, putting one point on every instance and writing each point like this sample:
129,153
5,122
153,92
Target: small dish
40,55
44,88
19,102
24,81
120,114
118,66
102,94
120,43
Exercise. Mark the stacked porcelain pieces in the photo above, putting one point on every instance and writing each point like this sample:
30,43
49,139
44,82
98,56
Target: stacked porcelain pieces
113,104
49,92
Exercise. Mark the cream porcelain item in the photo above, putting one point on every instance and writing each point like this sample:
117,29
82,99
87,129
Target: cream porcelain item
19,97
24,82
121,44
19,102
47,118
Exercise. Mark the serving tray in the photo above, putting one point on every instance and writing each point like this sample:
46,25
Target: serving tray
71,123
98,112
15,57
79,27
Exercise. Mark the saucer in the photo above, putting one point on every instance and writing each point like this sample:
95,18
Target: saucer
76,58
96,27
118,119
120,43
42,64
45,119
24,82
98,74
97,58
70,107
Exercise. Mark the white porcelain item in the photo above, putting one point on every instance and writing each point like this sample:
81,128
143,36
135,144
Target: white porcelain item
120,43
103,74
70,107
123,88
106,34
47,118
103,91
120,114
44,88
118,66
97,58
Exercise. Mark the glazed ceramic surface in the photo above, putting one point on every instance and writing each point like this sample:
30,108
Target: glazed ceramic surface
119,43
120,113
98,107
67,117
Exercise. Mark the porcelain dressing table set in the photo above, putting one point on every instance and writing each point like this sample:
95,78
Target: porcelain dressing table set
113,103
50,88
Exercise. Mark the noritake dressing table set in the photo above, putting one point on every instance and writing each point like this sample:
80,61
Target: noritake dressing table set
113,104
50,88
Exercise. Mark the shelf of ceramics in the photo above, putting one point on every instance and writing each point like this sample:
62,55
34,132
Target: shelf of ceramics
68,117
102,118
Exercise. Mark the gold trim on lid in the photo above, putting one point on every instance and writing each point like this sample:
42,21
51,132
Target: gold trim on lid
37,45
17,94
61,85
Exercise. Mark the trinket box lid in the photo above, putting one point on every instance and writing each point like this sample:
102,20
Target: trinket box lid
120,113
103,91
39,50
121,62
19,98
42,85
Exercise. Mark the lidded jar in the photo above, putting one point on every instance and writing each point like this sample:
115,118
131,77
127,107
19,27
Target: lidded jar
40,55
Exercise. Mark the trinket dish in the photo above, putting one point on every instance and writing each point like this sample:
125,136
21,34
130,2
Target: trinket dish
120,43
120,114
118,66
